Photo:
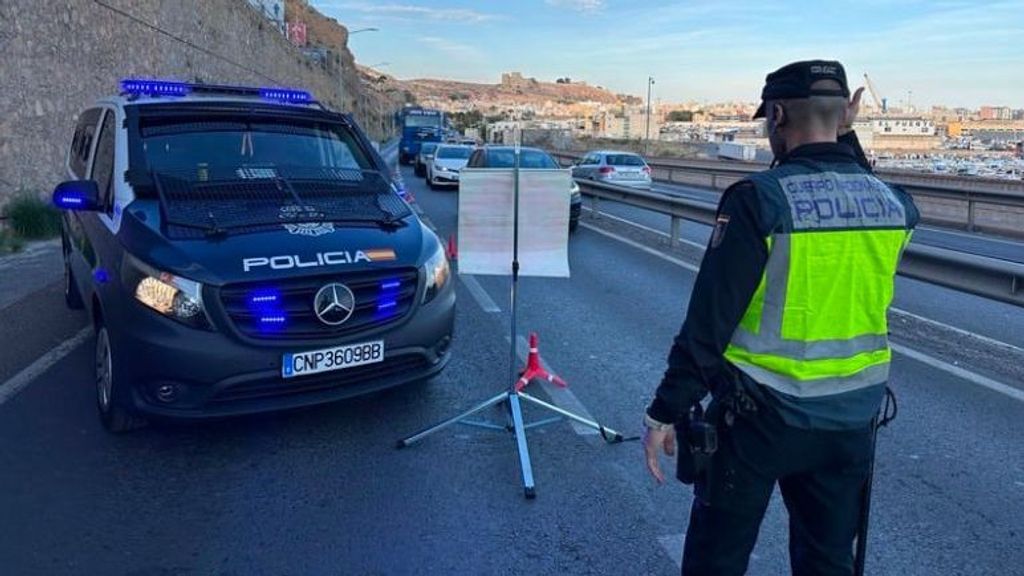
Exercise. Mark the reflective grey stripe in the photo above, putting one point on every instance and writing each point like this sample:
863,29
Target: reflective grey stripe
834,200
776,274
772,343
870,376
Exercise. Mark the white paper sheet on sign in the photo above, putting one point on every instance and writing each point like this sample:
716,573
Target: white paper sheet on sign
485,222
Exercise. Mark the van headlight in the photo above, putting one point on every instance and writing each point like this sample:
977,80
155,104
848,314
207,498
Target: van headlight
175,297
574,191
437,272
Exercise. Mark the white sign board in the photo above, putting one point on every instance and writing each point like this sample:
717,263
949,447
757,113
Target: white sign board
486,201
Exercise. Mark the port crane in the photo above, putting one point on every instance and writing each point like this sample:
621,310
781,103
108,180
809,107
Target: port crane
880,103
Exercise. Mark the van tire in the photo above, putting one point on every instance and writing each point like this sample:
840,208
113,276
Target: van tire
115,415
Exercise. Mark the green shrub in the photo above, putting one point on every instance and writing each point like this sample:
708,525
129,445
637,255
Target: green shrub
9,242
32,218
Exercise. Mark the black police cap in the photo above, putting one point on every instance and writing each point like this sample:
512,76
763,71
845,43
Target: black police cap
795,80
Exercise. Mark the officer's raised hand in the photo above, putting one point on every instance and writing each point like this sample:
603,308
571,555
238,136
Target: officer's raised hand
658,437
852,110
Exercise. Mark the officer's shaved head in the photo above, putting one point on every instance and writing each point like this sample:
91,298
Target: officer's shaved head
815,113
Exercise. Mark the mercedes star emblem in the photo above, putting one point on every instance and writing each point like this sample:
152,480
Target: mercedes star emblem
334,304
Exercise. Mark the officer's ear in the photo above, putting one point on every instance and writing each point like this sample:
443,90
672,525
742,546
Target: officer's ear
779,116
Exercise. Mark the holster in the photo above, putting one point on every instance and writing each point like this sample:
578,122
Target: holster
698,436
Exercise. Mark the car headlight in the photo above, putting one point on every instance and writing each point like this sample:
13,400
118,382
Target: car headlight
172,296
440,168
574,191
437,272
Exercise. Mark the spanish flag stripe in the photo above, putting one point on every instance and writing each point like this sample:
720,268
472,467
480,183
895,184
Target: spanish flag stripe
380,254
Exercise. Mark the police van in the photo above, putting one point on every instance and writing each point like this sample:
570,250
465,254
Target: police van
240,250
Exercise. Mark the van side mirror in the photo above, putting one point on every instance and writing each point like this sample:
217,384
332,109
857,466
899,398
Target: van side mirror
79,195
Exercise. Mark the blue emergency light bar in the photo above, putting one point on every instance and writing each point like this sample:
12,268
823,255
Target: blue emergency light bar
140,87
286,95
154,88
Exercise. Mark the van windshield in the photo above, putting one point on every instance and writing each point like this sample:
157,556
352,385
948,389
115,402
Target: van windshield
263,143
230,174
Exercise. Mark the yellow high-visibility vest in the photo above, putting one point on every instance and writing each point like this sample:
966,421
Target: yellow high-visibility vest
816,325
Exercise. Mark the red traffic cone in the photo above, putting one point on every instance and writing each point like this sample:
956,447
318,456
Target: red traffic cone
534,369
453,249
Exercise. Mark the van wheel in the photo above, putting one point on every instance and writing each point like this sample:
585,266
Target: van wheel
110,392
72,297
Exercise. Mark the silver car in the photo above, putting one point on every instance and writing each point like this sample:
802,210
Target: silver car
424,158
448,160
614,167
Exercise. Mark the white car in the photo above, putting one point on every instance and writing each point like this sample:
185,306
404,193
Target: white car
448,160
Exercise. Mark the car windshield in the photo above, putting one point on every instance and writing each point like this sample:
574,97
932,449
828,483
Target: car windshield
422,121
428,148
530,159
237,143
459,152
625,160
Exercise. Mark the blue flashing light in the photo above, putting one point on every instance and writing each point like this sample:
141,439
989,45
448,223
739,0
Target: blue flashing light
392,285
264,297
138,87
101,276
273,319
69,201
386,305
286,95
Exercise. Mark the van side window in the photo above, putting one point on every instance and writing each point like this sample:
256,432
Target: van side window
81,145
103,166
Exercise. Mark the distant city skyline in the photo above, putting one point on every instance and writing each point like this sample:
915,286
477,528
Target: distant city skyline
951,53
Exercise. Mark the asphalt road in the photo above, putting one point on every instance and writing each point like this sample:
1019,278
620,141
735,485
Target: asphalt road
323,491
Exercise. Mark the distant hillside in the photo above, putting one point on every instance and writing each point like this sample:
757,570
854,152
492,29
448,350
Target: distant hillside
514,89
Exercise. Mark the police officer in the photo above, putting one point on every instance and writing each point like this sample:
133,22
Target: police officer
786,329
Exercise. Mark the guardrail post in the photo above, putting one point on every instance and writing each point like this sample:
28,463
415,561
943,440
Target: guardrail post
673,234
970,213
714,181
595,207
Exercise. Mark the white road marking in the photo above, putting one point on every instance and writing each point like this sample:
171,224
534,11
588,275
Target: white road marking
640,246
686,241
978,379
959,372
479,294
961,331
561,397
19,381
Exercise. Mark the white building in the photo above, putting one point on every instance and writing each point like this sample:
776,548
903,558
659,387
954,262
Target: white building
903,126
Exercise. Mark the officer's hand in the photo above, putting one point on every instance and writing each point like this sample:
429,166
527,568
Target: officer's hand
653,441
852,109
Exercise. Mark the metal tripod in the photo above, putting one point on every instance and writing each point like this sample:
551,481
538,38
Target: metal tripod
512,397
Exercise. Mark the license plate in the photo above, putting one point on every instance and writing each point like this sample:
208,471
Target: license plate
331,359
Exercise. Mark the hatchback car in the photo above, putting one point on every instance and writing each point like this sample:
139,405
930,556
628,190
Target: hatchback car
448,160
612,167
529,159
241,250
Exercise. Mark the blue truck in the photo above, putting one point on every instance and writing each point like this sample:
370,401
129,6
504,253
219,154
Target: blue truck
419,125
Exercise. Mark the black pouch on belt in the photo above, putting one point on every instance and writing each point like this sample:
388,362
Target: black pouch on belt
699,441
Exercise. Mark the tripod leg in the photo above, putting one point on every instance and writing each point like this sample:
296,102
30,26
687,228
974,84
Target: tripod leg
438,427
524,450
608,434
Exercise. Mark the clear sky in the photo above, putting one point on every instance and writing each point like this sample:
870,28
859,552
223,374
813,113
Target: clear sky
958,53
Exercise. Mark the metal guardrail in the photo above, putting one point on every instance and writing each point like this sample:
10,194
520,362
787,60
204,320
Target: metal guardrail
987,277
973,204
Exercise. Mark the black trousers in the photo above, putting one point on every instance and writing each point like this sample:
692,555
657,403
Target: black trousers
821,475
